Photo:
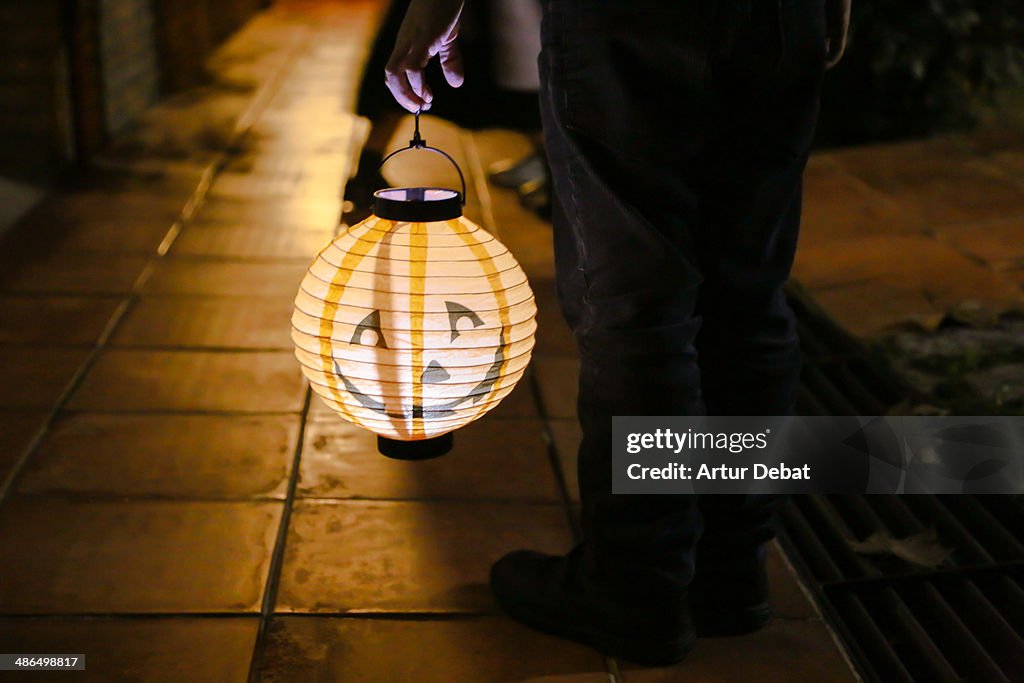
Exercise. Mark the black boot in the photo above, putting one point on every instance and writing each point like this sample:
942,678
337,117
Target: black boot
531,179
512,173
535,196
729,593
553,594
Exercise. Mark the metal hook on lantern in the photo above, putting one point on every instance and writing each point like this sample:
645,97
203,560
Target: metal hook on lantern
418,142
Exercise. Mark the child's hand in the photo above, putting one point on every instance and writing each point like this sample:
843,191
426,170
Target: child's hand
430,28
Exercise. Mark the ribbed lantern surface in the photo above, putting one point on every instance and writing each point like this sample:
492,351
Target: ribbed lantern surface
414,329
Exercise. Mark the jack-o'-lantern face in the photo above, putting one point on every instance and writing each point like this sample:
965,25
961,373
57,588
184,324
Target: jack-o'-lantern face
369,332
414,329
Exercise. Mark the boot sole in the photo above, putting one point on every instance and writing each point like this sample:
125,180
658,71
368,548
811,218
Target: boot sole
649,652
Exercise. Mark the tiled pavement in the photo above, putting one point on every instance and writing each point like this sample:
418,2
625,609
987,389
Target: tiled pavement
900,236
177,507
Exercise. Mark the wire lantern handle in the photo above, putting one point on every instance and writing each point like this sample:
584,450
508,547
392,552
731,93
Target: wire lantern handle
418,142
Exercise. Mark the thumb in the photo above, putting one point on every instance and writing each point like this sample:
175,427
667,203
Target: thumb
836,46
451,64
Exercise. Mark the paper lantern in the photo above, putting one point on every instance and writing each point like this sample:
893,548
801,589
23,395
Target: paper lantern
414,322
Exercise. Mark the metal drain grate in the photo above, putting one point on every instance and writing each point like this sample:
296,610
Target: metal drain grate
960,621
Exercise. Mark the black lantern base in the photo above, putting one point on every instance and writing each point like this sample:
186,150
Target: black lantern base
424,449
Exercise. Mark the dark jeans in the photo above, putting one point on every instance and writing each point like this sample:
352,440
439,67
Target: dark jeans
677,134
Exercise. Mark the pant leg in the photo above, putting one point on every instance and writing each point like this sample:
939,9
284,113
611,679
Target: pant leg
627,284
766,111
631,125
748,346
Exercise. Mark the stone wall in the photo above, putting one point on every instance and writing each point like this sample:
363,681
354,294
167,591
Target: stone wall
75,72
128,60
201,25
35,130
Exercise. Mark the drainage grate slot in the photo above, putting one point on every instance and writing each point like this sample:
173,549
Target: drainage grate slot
899,517
998,541
833,400
867,401
1009,510
860,628
966,548
887,389
813,348
1002,641
960,621
1009,596
813,553
807,404
957,641
911,639
835,536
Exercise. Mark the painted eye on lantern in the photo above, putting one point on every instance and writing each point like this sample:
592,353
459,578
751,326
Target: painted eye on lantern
456,312
371,324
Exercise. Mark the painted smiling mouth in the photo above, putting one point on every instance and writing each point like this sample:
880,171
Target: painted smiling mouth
447,409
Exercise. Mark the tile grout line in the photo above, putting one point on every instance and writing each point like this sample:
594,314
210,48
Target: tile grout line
155,498
819,613
280,543
553,459
116,497
191,207
398,615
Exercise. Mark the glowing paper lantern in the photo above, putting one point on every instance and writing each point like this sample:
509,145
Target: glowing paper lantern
414,322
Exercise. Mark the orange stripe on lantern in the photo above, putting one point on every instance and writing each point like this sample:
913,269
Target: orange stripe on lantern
494,277
331,299
417,269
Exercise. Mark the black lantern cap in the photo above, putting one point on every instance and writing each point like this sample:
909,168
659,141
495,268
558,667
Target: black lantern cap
424,449
417,204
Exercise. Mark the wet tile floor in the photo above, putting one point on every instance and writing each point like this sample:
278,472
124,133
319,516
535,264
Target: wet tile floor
179,508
